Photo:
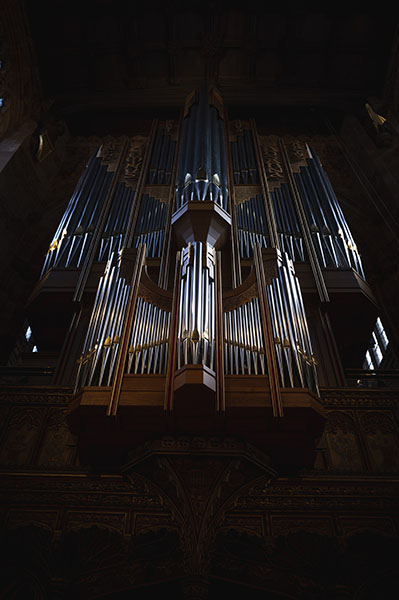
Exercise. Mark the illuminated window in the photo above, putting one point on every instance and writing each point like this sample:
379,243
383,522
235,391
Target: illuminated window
382,334
368,364
377,347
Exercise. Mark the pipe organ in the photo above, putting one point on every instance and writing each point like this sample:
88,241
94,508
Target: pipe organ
213,244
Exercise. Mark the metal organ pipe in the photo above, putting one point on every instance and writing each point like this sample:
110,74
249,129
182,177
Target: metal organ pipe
251,225
67,249
150,227
297,364
114,233
244,161
161,161
244,348
196,315
202,173
340,232
97,361
331,243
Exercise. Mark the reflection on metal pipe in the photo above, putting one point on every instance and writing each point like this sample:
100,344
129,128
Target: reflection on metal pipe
296,363
150,227
244,347
148,349
330,239
202,172
96,364
80,220
251,226
288,228
113,237
243,154
161,161
335,244
196,313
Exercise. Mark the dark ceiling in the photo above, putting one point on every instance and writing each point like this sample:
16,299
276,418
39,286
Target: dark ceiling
114,55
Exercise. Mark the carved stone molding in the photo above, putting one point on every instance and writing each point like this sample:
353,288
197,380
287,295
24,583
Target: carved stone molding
372,495
45,395
346,397
283,525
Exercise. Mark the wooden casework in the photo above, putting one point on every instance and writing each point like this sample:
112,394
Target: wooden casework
201,221
289,440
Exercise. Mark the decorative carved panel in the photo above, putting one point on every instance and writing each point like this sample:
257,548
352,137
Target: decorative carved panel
134,160
109,520
343,444
22,435
353,524
58,446
382,441
43,518
283,525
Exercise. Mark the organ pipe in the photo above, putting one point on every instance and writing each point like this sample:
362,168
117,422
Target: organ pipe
150,226
70,243
245,169
97,362
251,226
202,171
196,316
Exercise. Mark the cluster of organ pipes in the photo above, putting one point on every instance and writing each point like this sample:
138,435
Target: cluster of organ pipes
150,227
114,232
202,171
149,339
334,242
329,231
162,156
244,345
296,363
288,228
243,157
78,224
100,348
196,318
149,336
251,225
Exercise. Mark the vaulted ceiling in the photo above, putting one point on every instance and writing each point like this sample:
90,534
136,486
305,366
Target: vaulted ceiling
117,55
